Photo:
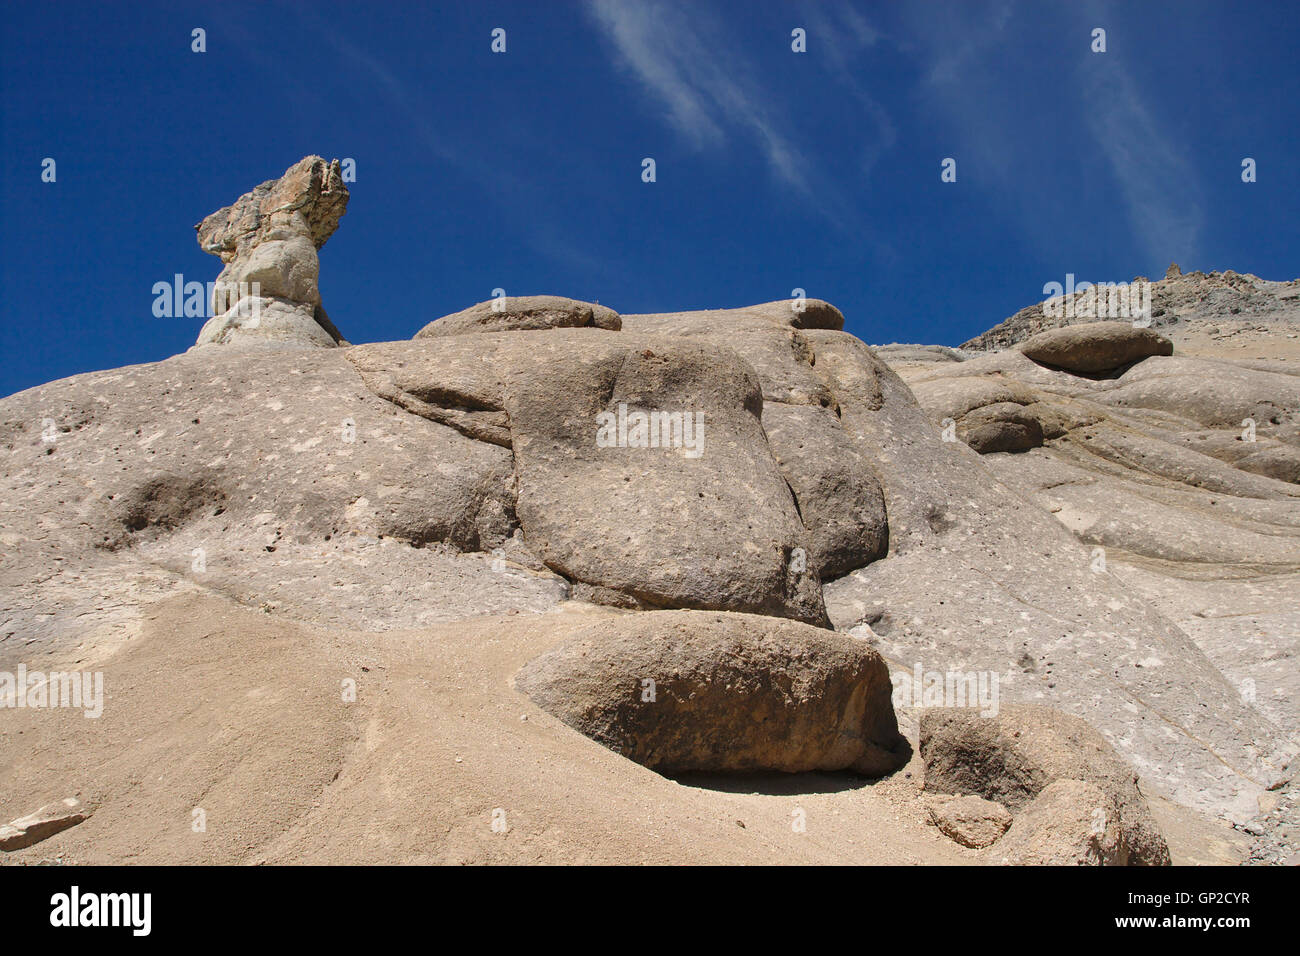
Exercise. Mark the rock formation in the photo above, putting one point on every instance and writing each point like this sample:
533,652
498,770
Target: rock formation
1015,758
268,240
1205,297
501,529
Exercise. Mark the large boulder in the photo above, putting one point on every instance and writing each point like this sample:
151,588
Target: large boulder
1070,823
682,691
1094,347
839,498
643,469
1013,757
268,240
523,314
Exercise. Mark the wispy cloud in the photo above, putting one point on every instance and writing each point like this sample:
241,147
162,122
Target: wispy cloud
1156,179
708,90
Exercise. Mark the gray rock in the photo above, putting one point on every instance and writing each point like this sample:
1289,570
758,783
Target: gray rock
268,241
1002,426
710,528
257,319
1209,393
838,496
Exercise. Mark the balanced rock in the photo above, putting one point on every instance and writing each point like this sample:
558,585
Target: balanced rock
268,240
524,314
1095,347
682,691
1013,757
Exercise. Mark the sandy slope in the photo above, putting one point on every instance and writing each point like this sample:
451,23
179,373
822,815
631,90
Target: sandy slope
232,710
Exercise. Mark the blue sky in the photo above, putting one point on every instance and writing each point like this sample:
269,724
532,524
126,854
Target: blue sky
522,170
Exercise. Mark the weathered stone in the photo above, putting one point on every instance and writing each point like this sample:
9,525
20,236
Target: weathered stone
708,524
1002,426
682,691
309,198
1095,346
971,821
42,824
839,498
523,314
1069,823
268,240
1013,757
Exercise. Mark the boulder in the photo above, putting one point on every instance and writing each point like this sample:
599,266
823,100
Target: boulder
1015,756
971,821
837,493
691,511
683,691
1002,426
1094,347
523,314
1070,823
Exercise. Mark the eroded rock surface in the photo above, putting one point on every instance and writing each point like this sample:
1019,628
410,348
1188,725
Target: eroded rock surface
1133,564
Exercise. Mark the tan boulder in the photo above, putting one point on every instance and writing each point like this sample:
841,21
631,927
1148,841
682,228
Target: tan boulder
524,313
1094,347
971,821
1013,757
682,691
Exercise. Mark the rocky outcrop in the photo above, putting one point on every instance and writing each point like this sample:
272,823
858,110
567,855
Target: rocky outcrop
1015,757
773,513
1176,474
1180,297
686,691
268,240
